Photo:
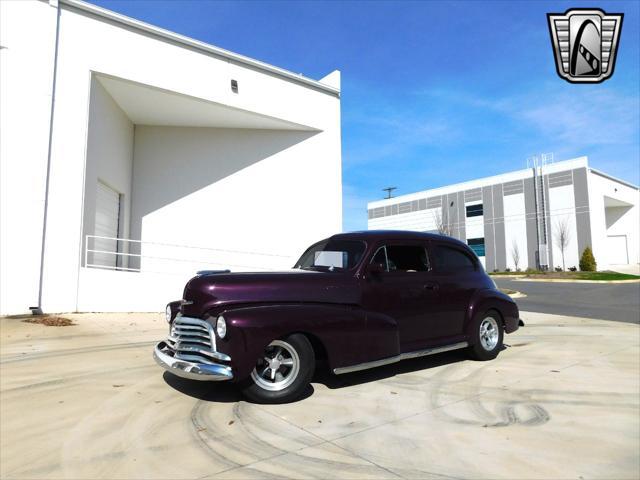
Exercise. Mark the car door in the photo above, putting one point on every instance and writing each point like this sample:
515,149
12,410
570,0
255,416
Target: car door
454,269
404,290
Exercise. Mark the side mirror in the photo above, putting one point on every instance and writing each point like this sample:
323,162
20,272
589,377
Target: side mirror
375,268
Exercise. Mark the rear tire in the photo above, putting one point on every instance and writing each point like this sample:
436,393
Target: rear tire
487,334
283,373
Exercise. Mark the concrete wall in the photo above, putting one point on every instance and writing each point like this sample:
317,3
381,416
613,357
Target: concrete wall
562,212
109,158
232,189
627,218
88,44
26,76
573,193
515,226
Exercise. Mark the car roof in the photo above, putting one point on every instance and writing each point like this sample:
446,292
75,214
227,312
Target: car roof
377,235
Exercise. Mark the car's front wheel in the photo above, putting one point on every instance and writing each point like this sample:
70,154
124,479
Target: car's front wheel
487,334
283,372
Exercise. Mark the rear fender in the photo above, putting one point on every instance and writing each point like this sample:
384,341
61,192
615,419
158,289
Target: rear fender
492,299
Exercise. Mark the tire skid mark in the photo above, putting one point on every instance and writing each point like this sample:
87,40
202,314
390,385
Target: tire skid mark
291,464
73,351
74,378
202,433
467,393
140,421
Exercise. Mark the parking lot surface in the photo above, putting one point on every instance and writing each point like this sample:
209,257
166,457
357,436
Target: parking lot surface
606,301
87,401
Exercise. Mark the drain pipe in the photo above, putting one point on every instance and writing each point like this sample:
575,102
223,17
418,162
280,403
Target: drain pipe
38,309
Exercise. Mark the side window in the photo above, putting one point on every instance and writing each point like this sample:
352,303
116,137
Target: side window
451,259
380,258
407,258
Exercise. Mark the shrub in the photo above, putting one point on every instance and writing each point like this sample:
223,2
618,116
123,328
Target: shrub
573,269
558,269
587,261
495,270
507,269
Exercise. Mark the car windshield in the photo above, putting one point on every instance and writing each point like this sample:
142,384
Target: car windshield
332,255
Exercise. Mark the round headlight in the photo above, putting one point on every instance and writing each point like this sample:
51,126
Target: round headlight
167,313
221,327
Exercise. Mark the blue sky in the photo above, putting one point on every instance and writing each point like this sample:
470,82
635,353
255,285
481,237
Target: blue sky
433,93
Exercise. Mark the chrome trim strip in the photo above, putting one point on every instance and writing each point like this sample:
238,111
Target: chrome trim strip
191,370
397,358
194,349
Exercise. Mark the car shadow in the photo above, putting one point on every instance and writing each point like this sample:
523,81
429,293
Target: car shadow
222,392
228,392
219,392
327,378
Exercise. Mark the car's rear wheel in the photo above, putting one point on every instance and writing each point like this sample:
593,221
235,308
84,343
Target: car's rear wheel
487,334
283,372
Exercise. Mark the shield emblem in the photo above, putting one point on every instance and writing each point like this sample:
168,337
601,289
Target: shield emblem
585,42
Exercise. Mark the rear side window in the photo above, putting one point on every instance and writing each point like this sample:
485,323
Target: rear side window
402,258
451,259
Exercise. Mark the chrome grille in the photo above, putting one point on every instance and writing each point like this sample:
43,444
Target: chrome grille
193,340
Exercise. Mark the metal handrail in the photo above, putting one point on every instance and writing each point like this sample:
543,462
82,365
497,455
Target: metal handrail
187,246
94,250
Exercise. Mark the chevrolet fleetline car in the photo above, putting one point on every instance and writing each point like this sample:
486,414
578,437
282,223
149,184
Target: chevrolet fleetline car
354,301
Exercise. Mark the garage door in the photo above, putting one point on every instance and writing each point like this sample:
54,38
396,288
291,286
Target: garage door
616,250
107,221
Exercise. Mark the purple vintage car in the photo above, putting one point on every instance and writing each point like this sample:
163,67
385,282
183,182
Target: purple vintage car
355,300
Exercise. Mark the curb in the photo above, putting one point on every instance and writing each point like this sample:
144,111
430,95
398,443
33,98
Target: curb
515,275
518,295
566,280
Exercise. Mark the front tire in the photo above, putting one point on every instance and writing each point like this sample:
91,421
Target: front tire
283,373
487,334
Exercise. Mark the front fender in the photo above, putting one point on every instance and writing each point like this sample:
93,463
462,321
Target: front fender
492,299
348,335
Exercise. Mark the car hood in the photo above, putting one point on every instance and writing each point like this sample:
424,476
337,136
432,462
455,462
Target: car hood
217,291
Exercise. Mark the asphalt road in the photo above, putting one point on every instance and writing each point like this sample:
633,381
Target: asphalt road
610,301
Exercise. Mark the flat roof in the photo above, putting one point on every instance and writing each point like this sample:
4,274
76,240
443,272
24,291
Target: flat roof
615,179
480,182
197,44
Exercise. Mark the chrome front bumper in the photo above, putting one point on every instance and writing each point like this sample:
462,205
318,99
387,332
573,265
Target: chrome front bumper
163,355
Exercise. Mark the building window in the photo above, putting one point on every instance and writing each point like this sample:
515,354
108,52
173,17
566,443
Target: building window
474,210
477,245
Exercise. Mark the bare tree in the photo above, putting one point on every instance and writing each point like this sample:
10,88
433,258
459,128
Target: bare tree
515,253
562,236
443,228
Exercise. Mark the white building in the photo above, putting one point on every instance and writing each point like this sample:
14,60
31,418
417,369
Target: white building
133,156
525,211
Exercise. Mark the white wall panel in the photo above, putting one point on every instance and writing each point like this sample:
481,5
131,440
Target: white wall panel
27,35
306,176
562,209
515,228
627,219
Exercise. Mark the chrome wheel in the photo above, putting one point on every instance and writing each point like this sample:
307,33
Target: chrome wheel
278,368
489,333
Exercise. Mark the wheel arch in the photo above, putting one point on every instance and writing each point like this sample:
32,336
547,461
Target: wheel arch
485,300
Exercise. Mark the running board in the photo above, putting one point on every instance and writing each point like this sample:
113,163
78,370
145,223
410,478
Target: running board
397,358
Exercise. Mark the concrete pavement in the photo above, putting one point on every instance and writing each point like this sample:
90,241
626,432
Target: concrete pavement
87,401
